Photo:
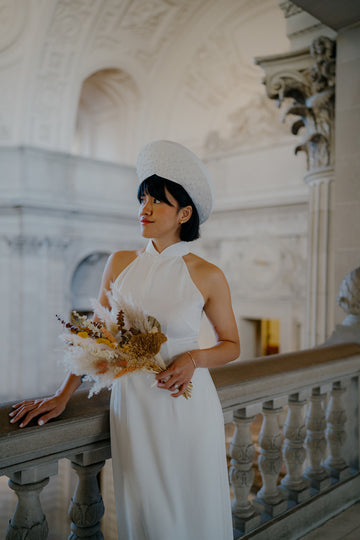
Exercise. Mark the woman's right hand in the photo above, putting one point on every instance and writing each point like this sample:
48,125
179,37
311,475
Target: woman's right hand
46,408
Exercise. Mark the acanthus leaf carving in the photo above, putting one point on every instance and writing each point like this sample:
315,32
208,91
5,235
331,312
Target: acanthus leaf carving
312,90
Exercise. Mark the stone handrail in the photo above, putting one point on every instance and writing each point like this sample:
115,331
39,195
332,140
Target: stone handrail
29,456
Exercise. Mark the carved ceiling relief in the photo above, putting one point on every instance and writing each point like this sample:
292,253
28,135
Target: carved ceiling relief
218,55
253,125
13,15
65,34
140,28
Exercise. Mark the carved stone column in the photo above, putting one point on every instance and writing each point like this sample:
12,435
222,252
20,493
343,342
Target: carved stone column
242,452
307,78
29,520
315,442
336,434
86,507
269,498
294,453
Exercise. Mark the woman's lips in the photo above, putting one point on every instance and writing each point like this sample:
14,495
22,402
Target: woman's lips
145,221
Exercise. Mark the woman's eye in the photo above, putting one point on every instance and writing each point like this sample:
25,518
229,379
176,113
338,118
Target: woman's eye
156,201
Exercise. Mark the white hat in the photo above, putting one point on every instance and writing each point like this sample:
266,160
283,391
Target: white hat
174,162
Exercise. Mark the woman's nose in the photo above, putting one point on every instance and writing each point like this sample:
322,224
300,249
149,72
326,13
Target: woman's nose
146,208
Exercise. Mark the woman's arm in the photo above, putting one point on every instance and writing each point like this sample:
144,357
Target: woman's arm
214,288
51,407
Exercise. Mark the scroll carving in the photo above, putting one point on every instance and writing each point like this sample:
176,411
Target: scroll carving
312,90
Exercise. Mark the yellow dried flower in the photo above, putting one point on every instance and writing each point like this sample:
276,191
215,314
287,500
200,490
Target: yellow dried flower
146,345
106,342
83,334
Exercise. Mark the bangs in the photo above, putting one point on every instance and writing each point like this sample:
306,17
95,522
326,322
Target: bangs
155,187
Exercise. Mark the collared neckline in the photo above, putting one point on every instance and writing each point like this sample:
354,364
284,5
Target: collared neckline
179,249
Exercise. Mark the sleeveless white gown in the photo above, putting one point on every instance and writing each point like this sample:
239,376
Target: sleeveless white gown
169,462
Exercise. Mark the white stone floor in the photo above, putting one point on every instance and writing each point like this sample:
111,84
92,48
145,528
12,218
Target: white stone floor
345,526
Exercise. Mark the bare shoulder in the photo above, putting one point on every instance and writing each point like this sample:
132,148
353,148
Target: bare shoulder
207,269
119,260
207,276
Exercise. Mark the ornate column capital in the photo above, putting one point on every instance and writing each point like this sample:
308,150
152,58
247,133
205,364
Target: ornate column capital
307,77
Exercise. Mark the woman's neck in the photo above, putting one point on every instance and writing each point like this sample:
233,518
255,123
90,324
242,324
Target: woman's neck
161,244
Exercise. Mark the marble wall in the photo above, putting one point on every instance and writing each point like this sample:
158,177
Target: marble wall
347,163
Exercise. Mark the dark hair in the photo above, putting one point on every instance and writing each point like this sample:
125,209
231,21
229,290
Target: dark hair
155,187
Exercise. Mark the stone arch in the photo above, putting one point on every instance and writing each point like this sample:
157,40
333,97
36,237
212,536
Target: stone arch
106,112
85,280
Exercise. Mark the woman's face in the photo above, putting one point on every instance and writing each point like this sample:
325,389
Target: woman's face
158,219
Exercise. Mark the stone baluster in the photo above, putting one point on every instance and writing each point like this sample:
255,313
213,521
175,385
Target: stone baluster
294,484
269,498
86,507
29,520
315,441
242,453
336,434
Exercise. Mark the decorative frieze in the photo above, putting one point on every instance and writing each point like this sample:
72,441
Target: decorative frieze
32,244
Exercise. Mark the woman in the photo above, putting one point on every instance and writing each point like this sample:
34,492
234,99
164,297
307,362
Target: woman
168,453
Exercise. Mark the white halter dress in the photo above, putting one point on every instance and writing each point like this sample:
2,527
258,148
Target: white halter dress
169,461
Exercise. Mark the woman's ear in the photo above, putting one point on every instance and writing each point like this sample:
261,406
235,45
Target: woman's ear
185,214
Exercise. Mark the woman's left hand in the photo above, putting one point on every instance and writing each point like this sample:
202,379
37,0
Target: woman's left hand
177,376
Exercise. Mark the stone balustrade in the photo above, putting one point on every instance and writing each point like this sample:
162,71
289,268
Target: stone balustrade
317,446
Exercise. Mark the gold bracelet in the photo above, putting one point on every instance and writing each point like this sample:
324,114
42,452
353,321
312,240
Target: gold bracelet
192,358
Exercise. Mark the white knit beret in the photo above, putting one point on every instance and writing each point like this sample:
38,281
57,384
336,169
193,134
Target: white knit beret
174,162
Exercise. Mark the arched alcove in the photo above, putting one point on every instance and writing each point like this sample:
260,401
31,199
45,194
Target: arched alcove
105,115
86,280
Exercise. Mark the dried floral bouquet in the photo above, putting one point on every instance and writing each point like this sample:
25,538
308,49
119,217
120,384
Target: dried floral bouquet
126,340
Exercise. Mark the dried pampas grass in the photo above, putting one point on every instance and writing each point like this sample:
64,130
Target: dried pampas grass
126,340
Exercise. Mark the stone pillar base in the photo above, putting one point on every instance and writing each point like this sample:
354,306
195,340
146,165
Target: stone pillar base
339,474
273,509
244,525
319,483
298,496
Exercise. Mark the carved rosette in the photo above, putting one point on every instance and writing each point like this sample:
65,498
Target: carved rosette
312,91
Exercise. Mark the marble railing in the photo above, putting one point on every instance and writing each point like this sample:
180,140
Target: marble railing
317,447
